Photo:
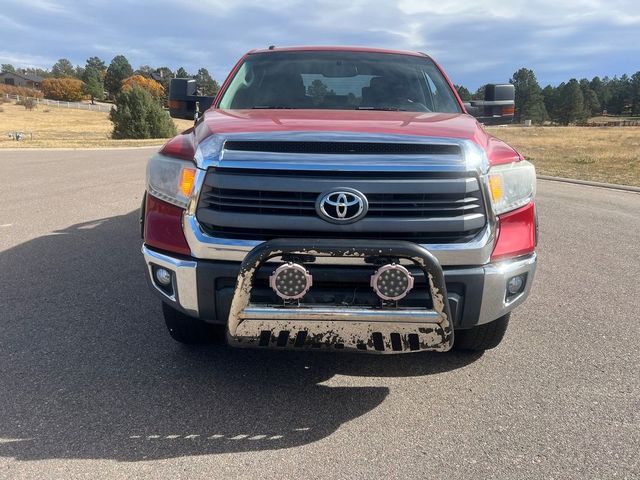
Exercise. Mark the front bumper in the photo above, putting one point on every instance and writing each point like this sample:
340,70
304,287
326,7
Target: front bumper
206,289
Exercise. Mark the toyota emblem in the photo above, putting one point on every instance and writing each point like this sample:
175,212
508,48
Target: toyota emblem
344,205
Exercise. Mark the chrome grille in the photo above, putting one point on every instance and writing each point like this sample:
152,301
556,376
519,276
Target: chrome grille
266,204
419,205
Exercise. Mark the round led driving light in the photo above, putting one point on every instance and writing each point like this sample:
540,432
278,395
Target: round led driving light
163,276
290,281
392,282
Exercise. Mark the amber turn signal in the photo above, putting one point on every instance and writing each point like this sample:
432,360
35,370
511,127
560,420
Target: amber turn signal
187,176
496,186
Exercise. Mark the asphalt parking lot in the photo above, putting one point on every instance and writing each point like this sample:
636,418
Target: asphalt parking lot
92,386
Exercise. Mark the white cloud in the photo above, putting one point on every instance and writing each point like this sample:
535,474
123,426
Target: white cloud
476,41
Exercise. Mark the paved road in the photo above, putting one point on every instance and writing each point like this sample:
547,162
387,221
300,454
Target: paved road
91,386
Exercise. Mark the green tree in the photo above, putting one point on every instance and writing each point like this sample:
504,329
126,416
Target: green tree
601,89
591,102
464,93
205,83
93,78
63,68
571,107
479,93
8,68
529,99
165,77
40,72
620,99
138,115
96,64
182,73
118,70
635,93
550,98
317,89
94,88
144,70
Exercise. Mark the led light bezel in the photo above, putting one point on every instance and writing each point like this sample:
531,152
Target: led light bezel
392,267
285,267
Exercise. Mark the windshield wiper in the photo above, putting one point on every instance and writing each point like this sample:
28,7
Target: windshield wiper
383,109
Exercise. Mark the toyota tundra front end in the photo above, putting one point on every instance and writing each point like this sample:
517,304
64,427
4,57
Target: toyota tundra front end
336,197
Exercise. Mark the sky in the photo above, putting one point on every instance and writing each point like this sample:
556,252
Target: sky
476,42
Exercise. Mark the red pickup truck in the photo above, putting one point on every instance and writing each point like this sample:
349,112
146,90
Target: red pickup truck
339,198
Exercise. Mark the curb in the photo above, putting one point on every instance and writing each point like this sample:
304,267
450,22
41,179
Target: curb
71,149
611,186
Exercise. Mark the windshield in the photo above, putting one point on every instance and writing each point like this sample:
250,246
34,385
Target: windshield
339,80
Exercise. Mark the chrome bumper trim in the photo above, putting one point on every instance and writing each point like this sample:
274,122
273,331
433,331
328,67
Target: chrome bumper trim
185,285
206,247
313,313
496,275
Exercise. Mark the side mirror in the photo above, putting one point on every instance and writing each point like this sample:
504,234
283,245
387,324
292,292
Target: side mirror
498,106
183,101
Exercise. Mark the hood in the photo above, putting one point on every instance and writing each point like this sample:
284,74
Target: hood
360,121
444,125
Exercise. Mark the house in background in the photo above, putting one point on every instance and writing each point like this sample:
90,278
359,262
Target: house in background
20,79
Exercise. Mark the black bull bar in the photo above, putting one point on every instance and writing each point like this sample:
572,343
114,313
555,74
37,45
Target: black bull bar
377,330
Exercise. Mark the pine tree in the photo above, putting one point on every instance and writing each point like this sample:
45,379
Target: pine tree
182,73
205,83
93,78
63,68
591,103
118,70
464,93
571,108
139,115
635,93
529,99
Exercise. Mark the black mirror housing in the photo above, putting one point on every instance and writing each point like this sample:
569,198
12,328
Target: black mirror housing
498,106
183,98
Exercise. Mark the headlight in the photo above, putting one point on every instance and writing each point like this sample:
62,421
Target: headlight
512,186
170,179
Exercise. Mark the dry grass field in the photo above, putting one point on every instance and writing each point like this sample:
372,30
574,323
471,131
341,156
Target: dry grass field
603,154
61,127
610,154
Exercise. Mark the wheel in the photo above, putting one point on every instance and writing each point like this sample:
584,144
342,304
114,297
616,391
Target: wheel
189,330
482,337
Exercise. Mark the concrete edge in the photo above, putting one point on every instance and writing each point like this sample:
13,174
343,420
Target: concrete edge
71,149
612,186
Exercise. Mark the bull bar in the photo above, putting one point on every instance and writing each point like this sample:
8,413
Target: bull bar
376,330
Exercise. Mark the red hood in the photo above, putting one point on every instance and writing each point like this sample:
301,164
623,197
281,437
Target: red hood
460,126
361,121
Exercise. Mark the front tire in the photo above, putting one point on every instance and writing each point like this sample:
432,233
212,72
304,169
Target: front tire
483,337
189,330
